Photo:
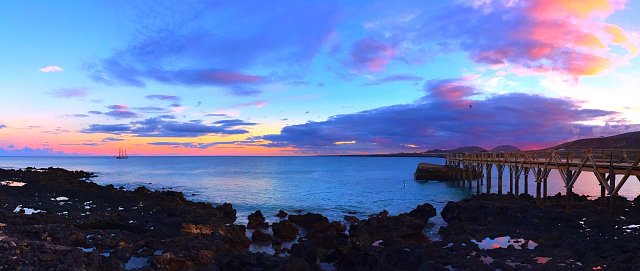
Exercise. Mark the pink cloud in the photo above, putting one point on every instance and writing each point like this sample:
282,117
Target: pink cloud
260,104
371,55
451,91
570,8
566,37
251,104
48,69
118,107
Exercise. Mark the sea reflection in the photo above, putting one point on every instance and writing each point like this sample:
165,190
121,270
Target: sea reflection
505,242
333,186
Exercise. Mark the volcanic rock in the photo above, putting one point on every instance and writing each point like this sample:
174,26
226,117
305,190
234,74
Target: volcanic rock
309,220
257,220
261,237
285,230
281,214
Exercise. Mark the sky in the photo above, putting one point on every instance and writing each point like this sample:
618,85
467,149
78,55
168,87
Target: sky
313,77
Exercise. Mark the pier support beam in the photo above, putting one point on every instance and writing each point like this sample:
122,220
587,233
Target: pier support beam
516,176
612,185
538,174
511,180
603,190
489,168
500,169
569,187
544,187
526,180
478,179
470,180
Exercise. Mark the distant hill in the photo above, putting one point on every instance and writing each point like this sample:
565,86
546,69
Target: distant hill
456,150
467,149
505,148
622,141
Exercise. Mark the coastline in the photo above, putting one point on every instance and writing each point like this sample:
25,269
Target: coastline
85,225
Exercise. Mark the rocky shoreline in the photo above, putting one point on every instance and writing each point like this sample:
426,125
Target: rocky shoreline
54,219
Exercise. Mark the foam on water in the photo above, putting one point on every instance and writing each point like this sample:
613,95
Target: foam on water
505,242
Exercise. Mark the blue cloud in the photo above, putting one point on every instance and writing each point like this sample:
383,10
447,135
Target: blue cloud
213,44
233,123
70,92
163,97
121,114
395,78
27,151
161,127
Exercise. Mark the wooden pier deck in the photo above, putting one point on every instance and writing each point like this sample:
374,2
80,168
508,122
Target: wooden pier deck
606,165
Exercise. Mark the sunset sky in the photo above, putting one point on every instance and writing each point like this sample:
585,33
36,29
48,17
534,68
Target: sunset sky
313,77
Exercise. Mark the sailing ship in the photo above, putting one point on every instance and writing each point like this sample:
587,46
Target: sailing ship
122,154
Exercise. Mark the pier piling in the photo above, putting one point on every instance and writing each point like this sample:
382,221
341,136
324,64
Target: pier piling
500,168
526,180
489,168
511,180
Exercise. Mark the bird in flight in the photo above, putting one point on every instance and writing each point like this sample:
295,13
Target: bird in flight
470,106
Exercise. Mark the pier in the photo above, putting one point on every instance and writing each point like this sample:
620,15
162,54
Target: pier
606,165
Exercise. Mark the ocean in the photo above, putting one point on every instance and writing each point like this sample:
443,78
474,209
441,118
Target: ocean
333,186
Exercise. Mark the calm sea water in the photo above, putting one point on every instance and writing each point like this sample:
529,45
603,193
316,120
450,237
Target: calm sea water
333,186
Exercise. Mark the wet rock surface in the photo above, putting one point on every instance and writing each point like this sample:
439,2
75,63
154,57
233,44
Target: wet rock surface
76,224
59,221
584,237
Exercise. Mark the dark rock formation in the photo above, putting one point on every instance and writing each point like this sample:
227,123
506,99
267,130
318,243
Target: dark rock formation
583,238
309,220
351,219
81,225
285,230
257,221
281,214
434,172
261,237
402,229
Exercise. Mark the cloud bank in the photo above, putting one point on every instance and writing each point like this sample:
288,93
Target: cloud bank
447,117
160,127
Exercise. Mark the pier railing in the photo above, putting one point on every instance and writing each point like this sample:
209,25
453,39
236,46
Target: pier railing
605,164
